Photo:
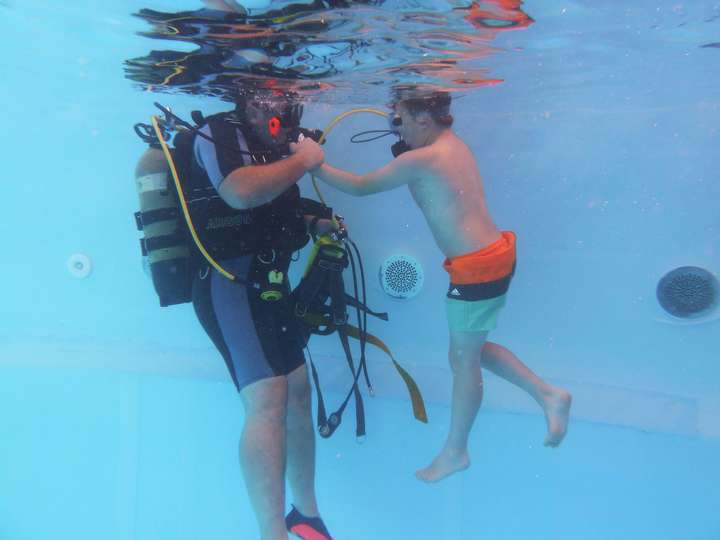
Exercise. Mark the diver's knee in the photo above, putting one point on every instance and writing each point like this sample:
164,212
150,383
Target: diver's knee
267,398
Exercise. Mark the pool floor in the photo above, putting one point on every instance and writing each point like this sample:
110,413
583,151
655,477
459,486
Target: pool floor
90,454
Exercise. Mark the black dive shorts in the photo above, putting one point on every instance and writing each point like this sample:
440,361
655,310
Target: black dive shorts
258,339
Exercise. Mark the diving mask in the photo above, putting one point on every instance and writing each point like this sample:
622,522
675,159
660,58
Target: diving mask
394,123
281,115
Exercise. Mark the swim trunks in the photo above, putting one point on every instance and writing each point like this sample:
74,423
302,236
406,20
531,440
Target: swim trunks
258,339
479,282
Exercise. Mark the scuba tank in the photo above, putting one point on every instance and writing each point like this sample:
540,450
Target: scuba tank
164,241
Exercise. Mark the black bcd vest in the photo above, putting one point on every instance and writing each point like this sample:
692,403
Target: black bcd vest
227,232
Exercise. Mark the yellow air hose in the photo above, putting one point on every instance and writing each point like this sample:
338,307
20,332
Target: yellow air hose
339,118
183,203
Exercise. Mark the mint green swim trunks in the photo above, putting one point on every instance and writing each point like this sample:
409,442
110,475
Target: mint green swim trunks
474,315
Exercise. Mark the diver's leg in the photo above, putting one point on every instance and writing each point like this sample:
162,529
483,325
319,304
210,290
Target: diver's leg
465,357
301,443
554,401
243,335
262,453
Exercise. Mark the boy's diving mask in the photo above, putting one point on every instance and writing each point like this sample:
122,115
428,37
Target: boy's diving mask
394,122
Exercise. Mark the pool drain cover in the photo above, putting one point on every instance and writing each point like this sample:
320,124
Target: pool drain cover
401,276
688,292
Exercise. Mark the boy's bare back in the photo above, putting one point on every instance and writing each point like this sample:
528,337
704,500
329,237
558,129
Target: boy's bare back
450,193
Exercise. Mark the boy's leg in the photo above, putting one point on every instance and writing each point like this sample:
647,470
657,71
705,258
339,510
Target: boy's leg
301,443
262,453
555,402
465,360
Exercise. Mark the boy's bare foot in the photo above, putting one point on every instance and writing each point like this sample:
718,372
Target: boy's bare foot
447,463
557,412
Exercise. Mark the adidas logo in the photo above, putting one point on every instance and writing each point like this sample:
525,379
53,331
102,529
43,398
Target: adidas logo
455,292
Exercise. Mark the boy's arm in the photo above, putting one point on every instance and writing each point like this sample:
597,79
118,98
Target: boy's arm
400,171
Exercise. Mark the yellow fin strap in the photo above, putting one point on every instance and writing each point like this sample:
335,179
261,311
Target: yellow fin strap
415,396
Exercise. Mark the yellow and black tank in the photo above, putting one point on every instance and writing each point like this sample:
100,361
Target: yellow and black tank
164,241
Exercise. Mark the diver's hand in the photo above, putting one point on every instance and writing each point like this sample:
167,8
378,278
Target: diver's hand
310,152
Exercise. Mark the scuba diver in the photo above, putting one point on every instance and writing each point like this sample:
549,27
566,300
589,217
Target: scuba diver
223,238
239,184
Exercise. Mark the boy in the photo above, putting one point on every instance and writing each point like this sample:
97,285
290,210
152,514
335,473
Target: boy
443,178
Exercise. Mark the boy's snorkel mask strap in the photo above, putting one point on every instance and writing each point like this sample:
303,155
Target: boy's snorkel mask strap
394,123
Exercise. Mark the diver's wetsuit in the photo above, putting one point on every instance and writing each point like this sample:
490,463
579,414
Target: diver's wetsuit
258,339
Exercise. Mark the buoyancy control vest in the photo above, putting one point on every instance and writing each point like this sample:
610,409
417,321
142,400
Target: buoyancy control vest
225,232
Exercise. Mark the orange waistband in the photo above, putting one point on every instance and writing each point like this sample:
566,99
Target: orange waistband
492,262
